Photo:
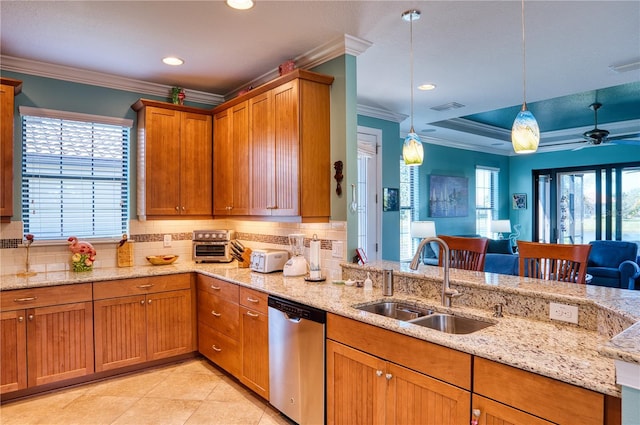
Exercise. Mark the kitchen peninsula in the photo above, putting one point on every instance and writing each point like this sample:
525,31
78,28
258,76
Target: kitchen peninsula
525,339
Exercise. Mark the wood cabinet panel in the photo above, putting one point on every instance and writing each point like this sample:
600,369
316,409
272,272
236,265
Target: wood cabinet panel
255,351
40,297
254,300
538,395
9,88
219,313
169,327
120,332
494,413
434,360
263,159
220,349
60,342
196,173
142,285
218,287
13,350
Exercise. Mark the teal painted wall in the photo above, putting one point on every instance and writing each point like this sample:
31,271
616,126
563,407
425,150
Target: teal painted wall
520,179
391,152
49,93
630,406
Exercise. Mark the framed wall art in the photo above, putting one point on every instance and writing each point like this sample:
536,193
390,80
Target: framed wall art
519,201
448,196
390,199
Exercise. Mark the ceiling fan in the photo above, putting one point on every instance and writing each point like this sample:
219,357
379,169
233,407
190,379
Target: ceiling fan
598,136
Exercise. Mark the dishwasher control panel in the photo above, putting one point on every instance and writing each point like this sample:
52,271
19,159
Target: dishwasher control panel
298,310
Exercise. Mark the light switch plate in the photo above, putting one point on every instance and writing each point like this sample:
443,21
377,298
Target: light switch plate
563,312
337,250
167,241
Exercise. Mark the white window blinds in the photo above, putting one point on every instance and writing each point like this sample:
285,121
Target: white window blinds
75,174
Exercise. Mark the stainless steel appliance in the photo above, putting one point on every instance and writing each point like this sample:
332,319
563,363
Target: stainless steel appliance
268,260
212,246
296,360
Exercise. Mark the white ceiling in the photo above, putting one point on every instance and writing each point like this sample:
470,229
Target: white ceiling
472,50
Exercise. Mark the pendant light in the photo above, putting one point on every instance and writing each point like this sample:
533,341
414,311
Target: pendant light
525,133
412,150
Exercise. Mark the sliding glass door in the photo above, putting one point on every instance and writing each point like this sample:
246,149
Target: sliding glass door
578,205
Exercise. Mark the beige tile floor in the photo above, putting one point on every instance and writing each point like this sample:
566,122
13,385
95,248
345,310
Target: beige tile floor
192,392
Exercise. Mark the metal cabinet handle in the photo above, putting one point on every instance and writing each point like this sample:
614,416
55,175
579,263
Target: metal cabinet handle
215,314
142,302
148,285
216,348
378,373
184,209
215,288
25,299
31,317
20,319
250,314
388,376
252,300
177,208
149,302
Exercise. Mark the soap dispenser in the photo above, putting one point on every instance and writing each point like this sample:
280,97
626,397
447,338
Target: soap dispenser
368,283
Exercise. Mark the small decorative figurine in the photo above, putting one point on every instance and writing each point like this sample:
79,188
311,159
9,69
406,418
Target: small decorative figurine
84,254
177,95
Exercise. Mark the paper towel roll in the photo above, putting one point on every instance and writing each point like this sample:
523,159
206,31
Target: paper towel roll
314,254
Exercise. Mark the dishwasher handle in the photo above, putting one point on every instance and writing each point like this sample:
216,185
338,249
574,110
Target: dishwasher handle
292,318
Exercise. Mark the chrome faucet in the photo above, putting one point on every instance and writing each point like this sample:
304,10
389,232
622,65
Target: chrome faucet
447,291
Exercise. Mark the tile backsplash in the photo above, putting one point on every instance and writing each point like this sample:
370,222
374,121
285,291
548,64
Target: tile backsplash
148,237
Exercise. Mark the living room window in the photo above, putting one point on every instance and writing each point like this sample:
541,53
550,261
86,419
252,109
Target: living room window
486,199
75,174
409,200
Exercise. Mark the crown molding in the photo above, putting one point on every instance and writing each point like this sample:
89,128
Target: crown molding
83,76
379,113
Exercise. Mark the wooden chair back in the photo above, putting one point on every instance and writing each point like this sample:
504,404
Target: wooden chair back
559,262
465,253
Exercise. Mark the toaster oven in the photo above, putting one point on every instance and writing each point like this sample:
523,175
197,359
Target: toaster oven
212,246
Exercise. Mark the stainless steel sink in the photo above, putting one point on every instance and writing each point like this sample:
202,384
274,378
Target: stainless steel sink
396,310
451,324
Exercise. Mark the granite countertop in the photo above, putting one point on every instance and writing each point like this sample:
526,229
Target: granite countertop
565,352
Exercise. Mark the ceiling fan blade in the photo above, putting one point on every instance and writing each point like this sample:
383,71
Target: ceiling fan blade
635,142
624,137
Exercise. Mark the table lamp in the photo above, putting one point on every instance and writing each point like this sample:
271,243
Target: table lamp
500,227
421,230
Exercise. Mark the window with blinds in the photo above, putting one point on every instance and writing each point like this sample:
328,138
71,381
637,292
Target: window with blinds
486,199
75,174
409,201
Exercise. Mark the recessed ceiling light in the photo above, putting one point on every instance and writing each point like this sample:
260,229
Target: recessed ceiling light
427,86
240,4
172,60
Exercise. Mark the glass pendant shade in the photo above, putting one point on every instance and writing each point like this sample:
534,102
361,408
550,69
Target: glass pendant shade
412,151
525,133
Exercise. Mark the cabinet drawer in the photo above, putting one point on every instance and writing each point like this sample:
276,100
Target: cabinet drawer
219,314
220,349
219,288
539,395
140,285
44,296
254,300
434,360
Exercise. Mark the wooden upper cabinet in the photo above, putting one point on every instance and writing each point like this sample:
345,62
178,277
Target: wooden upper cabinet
9,88
174,161
289,147
231,161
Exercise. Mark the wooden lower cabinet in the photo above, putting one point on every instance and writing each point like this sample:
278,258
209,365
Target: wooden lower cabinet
49,340
364,389
255,341
156,323
494,413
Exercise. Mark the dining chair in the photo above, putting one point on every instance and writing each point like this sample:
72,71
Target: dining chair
465,253
559,262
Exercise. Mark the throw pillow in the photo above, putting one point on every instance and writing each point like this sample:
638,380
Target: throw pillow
502,246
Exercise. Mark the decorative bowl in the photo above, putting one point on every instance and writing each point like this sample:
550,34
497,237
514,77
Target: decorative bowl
161,260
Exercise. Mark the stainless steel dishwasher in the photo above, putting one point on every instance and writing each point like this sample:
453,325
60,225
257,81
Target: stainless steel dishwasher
296,360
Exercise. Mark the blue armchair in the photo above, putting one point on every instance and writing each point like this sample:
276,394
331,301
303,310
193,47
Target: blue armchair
612,263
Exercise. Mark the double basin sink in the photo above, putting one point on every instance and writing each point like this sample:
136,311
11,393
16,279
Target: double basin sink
426,317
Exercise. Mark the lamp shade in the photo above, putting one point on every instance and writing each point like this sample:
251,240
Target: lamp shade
525,133
501,226
412,150
423,229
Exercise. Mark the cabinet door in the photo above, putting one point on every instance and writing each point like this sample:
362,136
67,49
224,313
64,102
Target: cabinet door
169,325
492,412
13,351
414,398
356,386
241,157
262,155
286,144
120,332
6,150
196,172
162,161
60,342
255,351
